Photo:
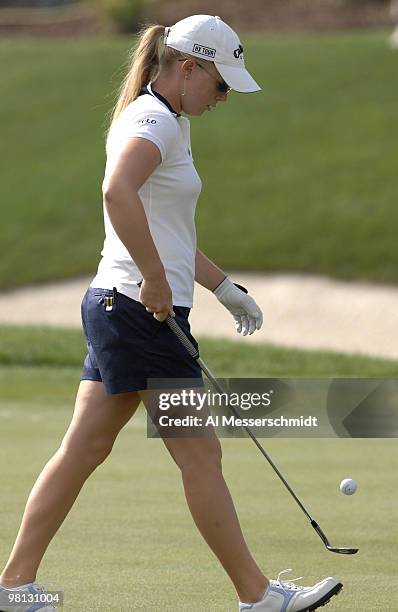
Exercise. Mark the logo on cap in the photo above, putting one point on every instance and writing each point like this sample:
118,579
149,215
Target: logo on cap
206,51
238,52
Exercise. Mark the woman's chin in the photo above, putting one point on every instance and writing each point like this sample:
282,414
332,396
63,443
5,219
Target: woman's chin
195,112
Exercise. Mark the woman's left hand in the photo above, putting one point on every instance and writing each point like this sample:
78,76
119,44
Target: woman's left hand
247,314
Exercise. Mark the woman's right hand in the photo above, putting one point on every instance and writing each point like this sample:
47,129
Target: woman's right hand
156,296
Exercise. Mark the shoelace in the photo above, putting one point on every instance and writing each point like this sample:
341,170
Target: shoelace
289,584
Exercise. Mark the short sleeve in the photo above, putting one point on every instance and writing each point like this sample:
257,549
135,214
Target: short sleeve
157,127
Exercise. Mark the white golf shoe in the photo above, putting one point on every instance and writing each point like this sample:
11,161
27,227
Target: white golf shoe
285,596
25,598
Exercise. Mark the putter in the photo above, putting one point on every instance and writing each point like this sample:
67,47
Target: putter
176,329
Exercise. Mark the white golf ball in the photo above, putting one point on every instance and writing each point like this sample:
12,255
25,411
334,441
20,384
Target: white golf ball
348,486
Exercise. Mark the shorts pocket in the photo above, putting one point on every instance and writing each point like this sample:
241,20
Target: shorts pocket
101,326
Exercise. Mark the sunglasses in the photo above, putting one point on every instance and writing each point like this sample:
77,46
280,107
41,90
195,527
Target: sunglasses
222,86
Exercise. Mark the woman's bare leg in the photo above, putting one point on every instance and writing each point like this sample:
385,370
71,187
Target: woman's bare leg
213,511
210,502
96,422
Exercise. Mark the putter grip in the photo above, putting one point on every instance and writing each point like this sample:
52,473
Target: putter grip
176,329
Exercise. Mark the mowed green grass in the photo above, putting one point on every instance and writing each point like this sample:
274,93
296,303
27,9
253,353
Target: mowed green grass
299,177
129,542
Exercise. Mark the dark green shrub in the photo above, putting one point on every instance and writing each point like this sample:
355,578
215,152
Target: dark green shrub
125,15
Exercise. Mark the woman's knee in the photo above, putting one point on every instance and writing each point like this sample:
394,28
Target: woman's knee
196,454
86,445
88,453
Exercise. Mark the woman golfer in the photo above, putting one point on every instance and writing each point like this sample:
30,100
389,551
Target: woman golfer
147,271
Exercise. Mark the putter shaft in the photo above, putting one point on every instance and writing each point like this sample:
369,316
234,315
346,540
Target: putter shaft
175,328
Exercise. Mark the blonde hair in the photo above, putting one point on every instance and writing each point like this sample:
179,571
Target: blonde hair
145,61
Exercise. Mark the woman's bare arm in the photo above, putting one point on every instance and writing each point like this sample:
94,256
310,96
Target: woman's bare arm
138,160
207,273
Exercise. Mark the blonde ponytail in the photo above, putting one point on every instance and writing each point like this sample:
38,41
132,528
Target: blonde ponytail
144,65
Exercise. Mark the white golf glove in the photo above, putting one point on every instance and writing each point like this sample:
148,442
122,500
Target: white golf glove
248,316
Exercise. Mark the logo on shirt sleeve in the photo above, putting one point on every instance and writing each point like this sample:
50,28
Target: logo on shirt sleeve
147,120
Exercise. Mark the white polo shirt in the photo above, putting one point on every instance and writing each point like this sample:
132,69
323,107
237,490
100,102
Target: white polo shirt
169,197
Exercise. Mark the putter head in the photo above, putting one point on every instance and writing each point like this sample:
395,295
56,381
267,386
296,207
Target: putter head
335,549
342,551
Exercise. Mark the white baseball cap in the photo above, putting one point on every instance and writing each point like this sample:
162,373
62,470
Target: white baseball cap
208,37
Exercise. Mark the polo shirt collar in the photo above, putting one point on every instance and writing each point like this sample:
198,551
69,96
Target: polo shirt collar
148,90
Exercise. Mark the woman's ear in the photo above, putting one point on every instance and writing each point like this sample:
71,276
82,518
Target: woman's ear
187,68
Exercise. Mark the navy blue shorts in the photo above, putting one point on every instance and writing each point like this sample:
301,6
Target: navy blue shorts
127,345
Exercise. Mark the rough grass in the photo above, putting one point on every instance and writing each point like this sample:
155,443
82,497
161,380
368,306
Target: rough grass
51,347
300,177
